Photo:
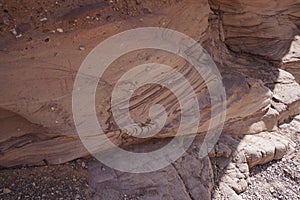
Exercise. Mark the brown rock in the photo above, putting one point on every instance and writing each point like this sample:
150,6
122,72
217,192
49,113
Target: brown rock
6,191
248,41
188,178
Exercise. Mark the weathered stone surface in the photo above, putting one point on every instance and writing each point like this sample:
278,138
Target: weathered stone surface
40,92
256,48
293,68
232,172
250,27
187,178
291,59
255,45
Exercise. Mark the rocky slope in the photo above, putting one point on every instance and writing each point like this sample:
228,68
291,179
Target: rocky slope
254,46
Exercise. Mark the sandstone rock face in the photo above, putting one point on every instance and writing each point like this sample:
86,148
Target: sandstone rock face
187,178
291,59
254,46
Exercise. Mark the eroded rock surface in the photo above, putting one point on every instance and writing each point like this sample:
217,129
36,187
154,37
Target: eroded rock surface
254,46
188,178
38,83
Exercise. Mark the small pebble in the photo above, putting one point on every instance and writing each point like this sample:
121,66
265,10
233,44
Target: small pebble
14,31
60,30
147,10
43,19
83,165
81,48
6,191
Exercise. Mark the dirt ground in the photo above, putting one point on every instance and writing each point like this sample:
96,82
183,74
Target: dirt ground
24,19
68,181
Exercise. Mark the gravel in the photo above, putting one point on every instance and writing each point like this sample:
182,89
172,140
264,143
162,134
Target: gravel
63,182
278,179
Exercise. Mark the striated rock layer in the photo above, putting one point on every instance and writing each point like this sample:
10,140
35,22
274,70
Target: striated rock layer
253,43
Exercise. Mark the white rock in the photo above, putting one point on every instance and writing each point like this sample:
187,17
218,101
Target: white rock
60,30
44,19
81,48
14,31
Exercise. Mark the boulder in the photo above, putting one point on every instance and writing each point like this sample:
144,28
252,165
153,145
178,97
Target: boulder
254,45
